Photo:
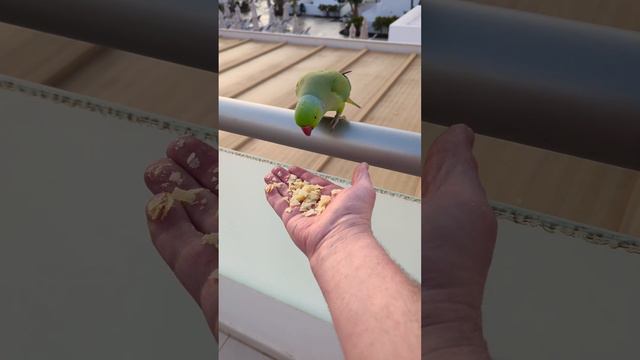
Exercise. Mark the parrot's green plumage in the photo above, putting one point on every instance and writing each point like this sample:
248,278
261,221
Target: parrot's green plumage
319,92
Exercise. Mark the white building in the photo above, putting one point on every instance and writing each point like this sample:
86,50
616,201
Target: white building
374,8
407,29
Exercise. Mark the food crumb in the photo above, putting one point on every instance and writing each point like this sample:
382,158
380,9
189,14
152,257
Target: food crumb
193,161
159,206
269,188
176,177
322,204
156,169
210,239
307,196
186,196
179,143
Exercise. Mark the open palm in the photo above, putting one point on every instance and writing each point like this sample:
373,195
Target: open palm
348,214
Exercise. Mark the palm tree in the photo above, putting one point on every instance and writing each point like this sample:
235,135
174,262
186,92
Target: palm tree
354,7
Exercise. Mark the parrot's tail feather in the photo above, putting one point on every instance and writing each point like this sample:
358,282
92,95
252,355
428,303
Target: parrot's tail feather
353,103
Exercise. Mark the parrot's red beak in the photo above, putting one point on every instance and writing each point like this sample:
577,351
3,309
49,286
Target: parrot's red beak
307,130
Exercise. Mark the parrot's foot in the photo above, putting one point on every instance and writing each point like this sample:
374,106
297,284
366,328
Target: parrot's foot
336,120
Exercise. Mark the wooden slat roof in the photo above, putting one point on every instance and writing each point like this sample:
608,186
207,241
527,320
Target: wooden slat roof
386,85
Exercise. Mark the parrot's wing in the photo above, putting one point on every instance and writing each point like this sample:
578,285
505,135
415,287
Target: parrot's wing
301,84
341,86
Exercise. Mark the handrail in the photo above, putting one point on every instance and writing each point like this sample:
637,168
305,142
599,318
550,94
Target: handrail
388,148
183,32
542,81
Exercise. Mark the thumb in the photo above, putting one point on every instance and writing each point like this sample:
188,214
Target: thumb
361,175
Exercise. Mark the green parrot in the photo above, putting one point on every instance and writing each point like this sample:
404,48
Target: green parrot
319,92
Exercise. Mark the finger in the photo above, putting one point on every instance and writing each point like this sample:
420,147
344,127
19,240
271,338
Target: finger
170,228
281,173
361,175
165,175
280,186
199,159
180,244
451,158
456,143
309,177
278,203
203,211
194,265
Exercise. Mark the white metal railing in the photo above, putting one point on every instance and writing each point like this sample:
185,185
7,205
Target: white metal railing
179,31
385,147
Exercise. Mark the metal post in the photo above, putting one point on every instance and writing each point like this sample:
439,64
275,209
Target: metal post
556,84
183,32
379,146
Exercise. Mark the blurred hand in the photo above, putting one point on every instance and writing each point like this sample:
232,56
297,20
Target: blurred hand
347,215
178,236
458,237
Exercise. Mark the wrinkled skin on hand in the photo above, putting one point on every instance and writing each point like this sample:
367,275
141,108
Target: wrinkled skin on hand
347,215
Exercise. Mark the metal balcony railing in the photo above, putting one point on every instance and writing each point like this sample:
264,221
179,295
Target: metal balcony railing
183,32
379,146
560,85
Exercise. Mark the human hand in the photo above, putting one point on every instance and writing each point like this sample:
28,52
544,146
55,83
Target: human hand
347,215
458,238
178,234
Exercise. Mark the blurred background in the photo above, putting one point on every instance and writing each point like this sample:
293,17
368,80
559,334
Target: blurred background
136,81
580,190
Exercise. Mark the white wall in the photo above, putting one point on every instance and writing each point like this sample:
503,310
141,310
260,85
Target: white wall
407,29
80,277
550,296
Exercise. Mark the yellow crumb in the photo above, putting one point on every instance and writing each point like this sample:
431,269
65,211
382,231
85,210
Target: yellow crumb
269,188
210,239
159,206
186,196
307,196
176,177
322,204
